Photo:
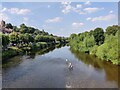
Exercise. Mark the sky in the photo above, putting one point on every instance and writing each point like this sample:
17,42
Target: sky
61,18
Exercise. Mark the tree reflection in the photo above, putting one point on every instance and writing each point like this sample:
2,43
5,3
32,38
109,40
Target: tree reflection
111,71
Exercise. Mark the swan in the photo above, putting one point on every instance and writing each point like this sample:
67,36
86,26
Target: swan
66,60
68,86
70,66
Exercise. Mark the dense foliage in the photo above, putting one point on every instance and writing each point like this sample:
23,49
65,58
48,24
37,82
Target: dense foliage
102,44
28,38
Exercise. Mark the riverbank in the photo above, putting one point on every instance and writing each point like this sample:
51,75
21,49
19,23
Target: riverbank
25,38
41,47
99,43
11,52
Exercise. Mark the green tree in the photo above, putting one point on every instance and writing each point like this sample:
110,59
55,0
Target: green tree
9,25
15,29
23,28
99,36
21,38
31,30
26,38
31,38
38,38
5,40
72,36
112,29
14,39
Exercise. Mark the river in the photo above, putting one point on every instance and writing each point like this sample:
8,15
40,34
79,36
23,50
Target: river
50,70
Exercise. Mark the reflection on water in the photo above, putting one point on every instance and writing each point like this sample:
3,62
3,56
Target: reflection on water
48,68
29,55
111,71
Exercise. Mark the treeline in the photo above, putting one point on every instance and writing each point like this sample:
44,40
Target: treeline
28,38
103,44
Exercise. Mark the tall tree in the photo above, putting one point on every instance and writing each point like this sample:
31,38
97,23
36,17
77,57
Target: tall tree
14,39
99,36
15,29
112,29
9,25
5,40
23,28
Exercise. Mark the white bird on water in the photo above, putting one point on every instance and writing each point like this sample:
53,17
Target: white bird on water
70,66
66,60
68,86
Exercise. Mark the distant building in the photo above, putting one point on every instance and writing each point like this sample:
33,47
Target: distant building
2,24
4,29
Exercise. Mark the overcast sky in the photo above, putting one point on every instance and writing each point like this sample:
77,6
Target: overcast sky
61,18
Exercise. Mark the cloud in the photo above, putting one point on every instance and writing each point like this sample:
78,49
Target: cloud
78,6
92,10
87,3
3,16
103,18
48,6
54,20
89,18
77,25
79,11
67,8
65,3
4,9
16,11
19,11
111,12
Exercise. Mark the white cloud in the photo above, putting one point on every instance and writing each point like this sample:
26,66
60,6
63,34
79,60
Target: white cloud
65,3
92,10
89,18
3,17
79,11
78,6
4,9
111,12
87,3
22,11
19,11
77,25
54,20
67,8
48,6
103,18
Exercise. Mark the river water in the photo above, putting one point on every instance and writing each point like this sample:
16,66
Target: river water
50,70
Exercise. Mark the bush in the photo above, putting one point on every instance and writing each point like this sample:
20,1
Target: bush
102,51
109,50
93,50
13,51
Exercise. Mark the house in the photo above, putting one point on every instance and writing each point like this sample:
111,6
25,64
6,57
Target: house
3,29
